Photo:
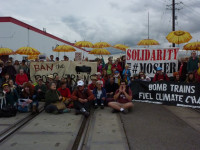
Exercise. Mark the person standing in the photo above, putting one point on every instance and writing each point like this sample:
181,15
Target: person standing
51,58
193,63
126,74
9,69
24,67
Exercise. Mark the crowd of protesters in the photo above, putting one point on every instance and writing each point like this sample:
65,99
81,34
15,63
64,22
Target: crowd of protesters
109,86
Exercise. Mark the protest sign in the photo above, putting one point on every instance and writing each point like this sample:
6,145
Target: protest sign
168,93
78,56
62,69
147,60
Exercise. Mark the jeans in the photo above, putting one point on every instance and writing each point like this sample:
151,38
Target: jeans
98,101
78,105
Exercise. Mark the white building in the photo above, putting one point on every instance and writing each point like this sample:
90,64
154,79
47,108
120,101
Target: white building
15,34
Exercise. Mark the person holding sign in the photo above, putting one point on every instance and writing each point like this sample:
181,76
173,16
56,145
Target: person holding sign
160,76
123,97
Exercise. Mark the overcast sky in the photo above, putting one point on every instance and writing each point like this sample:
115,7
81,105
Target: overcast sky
113,21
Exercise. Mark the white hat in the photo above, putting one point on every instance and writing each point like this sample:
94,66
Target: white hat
50,76
99,82
80,83
98,73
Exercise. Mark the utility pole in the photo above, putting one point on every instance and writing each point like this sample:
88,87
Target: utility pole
173,18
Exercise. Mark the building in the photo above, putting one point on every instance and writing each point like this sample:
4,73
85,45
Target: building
15,34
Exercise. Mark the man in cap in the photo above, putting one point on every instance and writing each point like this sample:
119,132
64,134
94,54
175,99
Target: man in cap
82,99
49,80
160,76
92,85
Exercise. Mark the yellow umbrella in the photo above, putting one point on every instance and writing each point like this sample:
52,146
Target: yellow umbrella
178,37
32,57
121,47
192,46
6,51
84,44
99,51
27,51
64,48
148,42
101,45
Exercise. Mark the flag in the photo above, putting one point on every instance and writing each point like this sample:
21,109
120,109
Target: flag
103,62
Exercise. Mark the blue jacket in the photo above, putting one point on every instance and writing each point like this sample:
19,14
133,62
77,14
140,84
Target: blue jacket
102,95
128,74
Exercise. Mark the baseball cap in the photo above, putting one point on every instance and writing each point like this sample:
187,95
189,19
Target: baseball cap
159,68
116,71
80,83
5,84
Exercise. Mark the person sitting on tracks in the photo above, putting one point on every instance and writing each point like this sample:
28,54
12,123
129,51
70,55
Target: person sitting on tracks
100,95
8,107
54,103
123,97
66,94
82,99
40,90
27,99
160,76
111,88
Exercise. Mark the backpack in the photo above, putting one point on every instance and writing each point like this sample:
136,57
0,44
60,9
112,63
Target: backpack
7,110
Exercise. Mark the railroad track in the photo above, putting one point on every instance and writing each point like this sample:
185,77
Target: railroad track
16,126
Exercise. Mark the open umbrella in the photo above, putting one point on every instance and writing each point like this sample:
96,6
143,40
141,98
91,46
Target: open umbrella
178,37
101,45
99,51
192,46
32,57
84,44
121,47
148,42
27,51
6,51
64,48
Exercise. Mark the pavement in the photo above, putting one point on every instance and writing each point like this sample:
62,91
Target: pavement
105,132
153,127
146,127
46,132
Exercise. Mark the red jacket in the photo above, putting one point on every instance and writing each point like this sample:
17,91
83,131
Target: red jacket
91,86
118,67
21,79
163,76
65,92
